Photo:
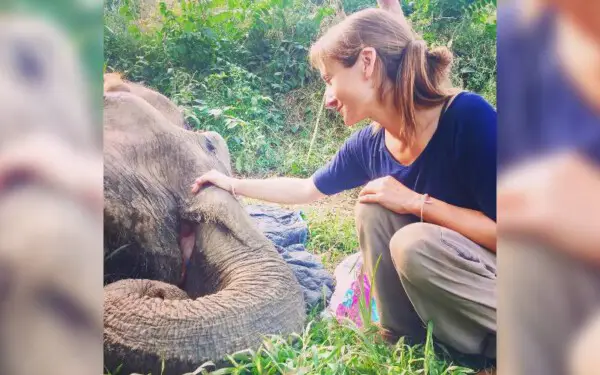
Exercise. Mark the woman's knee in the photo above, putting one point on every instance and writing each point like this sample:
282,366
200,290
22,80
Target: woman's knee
411,247
367,214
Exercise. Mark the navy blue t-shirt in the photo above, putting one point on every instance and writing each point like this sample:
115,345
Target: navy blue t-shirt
540,111
458,165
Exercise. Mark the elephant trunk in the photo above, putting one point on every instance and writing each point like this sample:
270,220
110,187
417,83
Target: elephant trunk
249,291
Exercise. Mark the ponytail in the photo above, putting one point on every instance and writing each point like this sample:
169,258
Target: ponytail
419,82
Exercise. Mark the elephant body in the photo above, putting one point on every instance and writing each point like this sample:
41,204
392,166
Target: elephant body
189,278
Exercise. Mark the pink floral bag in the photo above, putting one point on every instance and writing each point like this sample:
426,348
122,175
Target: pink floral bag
349,308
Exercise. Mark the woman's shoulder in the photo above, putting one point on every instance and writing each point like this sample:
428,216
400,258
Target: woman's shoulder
470,112
468,102
472,122
369,133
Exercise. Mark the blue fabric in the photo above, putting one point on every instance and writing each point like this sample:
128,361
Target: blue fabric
541,112
458,166
288,231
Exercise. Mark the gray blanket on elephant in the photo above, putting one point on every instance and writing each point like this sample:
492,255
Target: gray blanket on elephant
289,232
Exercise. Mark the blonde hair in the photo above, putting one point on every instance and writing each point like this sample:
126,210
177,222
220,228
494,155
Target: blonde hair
419,75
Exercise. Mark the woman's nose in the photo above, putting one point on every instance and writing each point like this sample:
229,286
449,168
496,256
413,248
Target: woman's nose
330,100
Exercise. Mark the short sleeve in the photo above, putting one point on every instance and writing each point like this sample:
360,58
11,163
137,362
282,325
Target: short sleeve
346,170
478,154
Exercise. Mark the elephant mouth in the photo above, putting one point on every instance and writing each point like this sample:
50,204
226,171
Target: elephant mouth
187,243
14,178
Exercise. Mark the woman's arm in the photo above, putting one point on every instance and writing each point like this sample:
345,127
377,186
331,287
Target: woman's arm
391,6
343,172
282,190
470,223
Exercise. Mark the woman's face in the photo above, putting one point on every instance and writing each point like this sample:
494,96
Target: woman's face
350,91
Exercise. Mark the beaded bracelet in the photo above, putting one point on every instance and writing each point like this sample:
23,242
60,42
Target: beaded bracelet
233,190
423,203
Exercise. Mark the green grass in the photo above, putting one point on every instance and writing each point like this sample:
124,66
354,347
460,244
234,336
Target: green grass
332,236
327,347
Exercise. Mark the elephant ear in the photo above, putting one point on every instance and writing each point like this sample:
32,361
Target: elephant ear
215,205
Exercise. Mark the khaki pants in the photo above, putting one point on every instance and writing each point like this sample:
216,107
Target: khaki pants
549,314
429,273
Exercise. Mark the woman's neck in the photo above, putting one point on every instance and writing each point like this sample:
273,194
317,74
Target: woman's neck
426,121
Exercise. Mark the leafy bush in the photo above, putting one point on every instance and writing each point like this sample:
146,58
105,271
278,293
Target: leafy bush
240,67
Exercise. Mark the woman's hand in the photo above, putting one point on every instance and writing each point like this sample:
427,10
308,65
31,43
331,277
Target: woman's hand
554,200
390,5
216,178
391,194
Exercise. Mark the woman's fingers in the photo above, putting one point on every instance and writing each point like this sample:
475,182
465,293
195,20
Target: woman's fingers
214,177
370,188
200,181
195,187
370,198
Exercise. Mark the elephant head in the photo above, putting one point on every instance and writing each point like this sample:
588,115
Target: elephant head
189,277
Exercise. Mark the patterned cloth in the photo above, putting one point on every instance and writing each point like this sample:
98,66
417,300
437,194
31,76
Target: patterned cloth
349,308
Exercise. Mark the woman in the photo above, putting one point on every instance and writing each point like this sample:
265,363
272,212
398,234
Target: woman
429,164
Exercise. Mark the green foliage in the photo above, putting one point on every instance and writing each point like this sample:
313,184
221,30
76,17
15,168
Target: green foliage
468,28
240,67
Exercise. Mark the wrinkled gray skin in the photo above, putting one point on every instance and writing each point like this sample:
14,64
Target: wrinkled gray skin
237,287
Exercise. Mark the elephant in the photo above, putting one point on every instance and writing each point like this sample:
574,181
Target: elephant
188,277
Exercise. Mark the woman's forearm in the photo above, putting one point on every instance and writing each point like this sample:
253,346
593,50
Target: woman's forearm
470,223
282,190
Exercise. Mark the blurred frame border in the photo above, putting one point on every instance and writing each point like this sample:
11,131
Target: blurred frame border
548,299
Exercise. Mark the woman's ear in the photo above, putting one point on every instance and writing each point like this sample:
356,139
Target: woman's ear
367,58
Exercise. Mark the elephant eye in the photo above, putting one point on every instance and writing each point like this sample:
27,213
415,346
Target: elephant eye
16,178
210,146
28,63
